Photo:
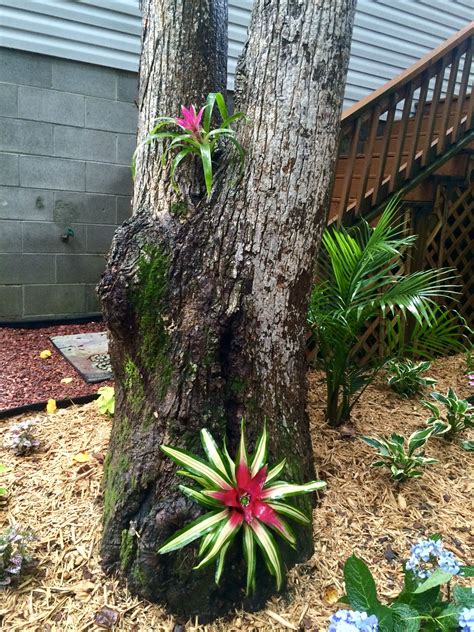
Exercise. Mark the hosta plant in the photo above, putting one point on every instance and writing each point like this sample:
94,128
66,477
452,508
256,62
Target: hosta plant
243,495
106,400
15,554
427,602
192,134
21,437
406,377
403,461
458,415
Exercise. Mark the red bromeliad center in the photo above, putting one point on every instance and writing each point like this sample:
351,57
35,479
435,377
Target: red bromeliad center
191,119
245,499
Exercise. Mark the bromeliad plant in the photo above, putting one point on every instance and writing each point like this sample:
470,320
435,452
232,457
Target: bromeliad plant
423,605
459,415
195,136
403,462
244,494
406,377
359,278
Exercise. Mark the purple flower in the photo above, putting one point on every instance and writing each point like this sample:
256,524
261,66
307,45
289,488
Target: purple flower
353,621
427,555
466,620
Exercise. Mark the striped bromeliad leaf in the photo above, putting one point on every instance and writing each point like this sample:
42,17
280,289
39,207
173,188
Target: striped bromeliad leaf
247,496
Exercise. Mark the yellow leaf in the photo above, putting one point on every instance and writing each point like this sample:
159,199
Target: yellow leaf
82,457
51,406
331,595
66,380
45,354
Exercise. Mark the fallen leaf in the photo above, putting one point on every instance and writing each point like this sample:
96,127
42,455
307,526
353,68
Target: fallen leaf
82,457
402,503
45,354
106,617
347,432
84,587
51,406
389,554
66,380
331,595
276,617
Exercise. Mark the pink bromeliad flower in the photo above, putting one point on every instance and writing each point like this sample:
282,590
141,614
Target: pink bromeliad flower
191,120
244,494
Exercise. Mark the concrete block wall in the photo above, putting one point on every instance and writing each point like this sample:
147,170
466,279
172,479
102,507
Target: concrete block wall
67,134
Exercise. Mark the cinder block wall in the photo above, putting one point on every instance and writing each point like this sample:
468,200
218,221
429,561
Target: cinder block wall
67,134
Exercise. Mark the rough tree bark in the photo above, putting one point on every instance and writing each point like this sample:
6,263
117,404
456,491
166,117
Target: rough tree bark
205,300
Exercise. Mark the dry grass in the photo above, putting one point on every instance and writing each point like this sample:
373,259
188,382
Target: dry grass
362,512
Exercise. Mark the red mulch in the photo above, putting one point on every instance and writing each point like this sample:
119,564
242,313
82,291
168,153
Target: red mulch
25,378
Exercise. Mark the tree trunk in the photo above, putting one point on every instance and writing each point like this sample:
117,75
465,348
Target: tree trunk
206,300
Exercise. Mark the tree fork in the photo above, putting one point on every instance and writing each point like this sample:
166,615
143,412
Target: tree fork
206,300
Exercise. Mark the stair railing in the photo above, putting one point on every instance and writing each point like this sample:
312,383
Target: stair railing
404,126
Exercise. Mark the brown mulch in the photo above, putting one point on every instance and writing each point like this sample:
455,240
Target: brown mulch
362,511
25,378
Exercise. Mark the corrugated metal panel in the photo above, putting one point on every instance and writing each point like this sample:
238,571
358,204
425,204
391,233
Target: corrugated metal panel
388,36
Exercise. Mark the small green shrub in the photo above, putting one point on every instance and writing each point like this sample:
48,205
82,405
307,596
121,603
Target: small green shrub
458,416
427,602
406,377
15,554
106,400
404,462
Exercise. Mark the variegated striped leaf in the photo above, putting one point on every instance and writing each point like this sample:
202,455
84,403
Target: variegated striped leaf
226,532
260,455
289,511
285,531
213,453
195,530
220,562
202,481
199,497
275,471
196,466
270,551
283,490
230,464
250,557
242,456
206,542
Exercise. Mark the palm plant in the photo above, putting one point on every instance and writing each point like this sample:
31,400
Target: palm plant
359,278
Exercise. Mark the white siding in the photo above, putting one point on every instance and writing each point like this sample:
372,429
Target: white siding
389,35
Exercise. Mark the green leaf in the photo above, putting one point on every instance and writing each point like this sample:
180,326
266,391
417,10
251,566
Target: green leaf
207,501
290,512
270,551
437,578
463,596
226,532
406,619
250,557
467,571
3,491
220,563
242,456
195,530
284,490
213,453
206,160
418,439
380,445
195,465
467,445
360,585
275,471
3,468
260,456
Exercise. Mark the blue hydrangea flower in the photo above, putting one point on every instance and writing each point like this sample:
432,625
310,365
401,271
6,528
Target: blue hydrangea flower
353,621
427,555
466,620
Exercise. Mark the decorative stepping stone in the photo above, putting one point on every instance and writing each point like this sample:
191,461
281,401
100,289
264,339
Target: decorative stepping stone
88,354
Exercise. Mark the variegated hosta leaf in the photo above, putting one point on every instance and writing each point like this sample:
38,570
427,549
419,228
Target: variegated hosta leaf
250,557
260,455
193,531
283,490
270,551
290,511
196,466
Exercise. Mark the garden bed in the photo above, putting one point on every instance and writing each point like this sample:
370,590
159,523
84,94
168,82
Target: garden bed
26,378
362,511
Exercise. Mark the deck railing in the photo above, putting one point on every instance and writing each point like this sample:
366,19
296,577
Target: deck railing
405,126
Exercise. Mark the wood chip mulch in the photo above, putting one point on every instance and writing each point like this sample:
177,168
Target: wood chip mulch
362,511
25,378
